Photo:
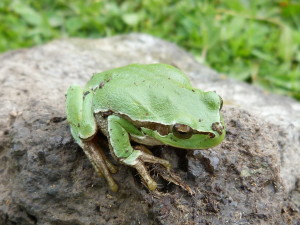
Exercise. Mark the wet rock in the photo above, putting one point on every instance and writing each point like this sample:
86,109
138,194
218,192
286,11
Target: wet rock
45,178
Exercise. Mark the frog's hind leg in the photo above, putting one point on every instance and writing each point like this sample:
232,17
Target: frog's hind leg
98,159
101,164
84,129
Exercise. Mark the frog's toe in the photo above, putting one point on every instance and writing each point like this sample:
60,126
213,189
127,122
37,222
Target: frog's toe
112,168
113,186
142,170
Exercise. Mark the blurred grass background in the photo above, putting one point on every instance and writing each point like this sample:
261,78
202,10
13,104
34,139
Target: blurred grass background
257,41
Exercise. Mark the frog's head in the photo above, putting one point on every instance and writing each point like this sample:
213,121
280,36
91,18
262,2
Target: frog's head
198,123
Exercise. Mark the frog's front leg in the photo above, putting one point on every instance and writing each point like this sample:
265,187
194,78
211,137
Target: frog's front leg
118,129
84,129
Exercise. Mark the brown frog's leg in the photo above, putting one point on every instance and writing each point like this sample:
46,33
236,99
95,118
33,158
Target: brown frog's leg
101,164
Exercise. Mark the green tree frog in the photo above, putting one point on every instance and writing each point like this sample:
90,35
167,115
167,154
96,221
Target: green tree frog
152,104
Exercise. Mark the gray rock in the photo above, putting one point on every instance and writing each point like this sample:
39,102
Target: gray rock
45,178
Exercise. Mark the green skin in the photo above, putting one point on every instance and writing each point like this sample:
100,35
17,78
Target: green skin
122,102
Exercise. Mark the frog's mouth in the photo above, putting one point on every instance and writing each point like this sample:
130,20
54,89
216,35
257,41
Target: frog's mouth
209,134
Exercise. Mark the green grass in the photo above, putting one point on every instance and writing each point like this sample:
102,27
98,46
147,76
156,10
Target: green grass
257,41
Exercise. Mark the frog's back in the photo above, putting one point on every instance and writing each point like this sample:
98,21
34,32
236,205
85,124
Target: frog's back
130,73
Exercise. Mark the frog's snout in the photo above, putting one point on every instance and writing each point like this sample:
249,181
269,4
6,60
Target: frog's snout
217,127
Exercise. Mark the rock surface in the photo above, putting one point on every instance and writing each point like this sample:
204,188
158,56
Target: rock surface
45,178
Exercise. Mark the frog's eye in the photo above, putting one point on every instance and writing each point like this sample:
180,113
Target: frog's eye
182,131
221,102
